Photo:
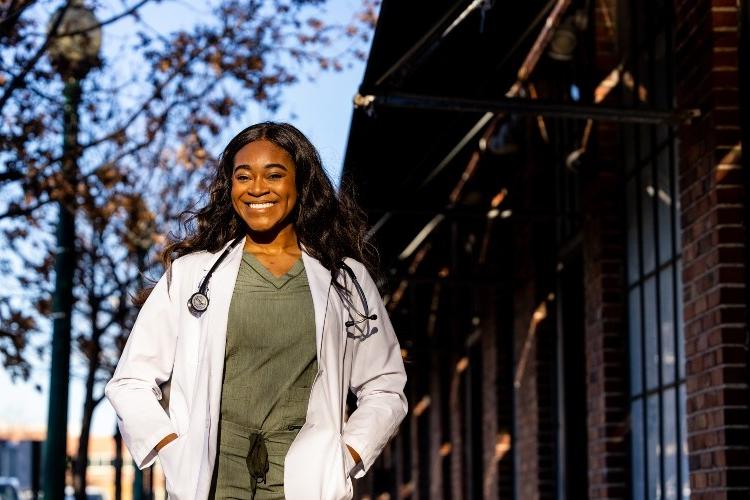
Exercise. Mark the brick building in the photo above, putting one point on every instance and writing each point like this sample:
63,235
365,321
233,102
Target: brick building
559,196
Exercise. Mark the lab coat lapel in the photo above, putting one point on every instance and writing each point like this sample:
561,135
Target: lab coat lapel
215,324
319,281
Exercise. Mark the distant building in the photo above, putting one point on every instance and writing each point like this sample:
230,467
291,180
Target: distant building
20,457
18,460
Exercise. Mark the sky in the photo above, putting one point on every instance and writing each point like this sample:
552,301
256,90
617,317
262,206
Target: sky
321,110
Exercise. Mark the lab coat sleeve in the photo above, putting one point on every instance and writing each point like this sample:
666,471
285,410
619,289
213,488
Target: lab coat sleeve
146,362
377,379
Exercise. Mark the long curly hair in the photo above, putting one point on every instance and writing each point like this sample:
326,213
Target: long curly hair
329,224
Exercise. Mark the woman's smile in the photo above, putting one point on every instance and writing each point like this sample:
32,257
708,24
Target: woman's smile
260,206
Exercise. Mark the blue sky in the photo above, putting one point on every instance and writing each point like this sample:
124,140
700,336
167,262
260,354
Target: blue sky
321,109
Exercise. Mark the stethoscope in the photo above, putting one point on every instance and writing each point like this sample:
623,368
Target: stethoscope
198,302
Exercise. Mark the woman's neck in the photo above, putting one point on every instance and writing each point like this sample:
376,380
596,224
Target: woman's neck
283,240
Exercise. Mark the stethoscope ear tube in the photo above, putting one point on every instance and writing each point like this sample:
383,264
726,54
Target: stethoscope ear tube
363,317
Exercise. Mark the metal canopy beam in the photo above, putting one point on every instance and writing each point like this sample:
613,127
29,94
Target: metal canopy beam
468,213
527,107
459,281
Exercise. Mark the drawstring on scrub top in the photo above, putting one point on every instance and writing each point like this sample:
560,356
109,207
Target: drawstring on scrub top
257,459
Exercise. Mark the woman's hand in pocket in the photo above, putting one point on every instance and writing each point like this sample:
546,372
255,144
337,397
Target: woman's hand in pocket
354,454
161,444
169,458
352,460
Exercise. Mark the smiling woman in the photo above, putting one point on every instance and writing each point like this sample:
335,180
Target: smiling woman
275,163
257,400
263,186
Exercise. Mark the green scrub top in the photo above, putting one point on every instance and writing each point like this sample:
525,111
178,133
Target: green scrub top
269,366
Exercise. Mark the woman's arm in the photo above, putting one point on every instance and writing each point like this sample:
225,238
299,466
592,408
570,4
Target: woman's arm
377,379
146,362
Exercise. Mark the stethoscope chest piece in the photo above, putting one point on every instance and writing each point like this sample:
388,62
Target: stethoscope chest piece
198,302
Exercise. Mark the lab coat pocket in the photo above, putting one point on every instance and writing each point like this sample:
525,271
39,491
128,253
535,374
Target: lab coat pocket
169,458
315,466
345,490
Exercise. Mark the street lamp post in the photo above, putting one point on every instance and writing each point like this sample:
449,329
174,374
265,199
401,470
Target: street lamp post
118,464
73,55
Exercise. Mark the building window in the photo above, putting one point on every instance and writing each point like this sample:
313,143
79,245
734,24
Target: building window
656,338
657,362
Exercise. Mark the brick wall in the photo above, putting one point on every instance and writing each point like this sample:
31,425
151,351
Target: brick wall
526,405
603,204
534,264
714,255
534,441
606,352
490,389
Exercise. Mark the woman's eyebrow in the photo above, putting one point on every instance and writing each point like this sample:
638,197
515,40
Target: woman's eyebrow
268,165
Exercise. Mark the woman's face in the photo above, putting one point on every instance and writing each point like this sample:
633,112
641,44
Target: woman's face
263,185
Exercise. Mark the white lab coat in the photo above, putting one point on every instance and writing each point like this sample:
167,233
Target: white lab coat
168,341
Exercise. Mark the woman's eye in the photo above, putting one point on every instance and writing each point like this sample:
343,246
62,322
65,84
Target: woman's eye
275,176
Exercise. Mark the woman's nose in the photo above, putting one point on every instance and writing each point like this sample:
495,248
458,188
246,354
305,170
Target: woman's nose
257,187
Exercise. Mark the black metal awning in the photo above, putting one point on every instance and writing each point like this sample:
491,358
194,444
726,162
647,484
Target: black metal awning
437,77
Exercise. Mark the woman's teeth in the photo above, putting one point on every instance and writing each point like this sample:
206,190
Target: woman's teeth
260,205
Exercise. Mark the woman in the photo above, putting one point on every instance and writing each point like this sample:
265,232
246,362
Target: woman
262,321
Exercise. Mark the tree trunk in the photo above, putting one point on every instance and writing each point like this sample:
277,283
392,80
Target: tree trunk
89,404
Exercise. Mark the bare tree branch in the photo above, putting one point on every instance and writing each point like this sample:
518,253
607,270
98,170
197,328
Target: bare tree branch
14,12
17,210
18,80
11,175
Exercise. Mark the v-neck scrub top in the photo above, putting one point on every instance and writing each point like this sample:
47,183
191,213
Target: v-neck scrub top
270,363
